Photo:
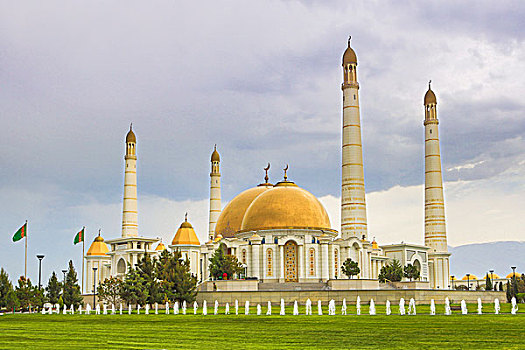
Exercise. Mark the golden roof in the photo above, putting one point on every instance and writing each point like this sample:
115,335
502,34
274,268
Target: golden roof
215,157
98,247
471,277
512,274
130,137
283,207
185,235
230,220
374,244
430,97
349,56
161,246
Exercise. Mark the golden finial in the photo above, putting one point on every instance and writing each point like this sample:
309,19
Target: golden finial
130,126
349,38
99,232
186,217
266,178
285,169
430,81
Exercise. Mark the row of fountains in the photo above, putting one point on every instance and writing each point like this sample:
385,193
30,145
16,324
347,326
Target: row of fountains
182,309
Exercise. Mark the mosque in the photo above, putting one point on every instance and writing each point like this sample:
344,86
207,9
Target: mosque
280,232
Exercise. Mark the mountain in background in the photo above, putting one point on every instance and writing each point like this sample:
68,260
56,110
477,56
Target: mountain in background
479,258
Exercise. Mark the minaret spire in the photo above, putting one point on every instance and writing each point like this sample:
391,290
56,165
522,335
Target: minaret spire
353,205
129,203
215,192
435,226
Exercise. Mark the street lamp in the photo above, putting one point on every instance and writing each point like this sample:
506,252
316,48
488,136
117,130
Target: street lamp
452,278
94,285
513,272
468,281
40,257
64,281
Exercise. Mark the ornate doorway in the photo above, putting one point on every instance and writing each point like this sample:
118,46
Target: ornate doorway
290,262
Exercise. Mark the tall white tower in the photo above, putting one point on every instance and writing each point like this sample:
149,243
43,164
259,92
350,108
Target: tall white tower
129,206
435,228
215,192
353,205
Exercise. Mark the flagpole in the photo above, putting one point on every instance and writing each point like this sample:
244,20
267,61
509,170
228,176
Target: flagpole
25,268
83,239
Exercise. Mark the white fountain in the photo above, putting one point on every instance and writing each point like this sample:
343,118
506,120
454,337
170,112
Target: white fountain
156,308
216,308
176,308
464,310
57,308
247,307
295,308
64,311
236,307
204,308
120,310
432,307
372,310
358,305
448,311
97,309
269,309
496,306
80,309
88,309
401,306
167,308
138,309
480,307
388,310
43,312
331,307
227,309
412,307
319,308
184,307
258,309
343,308
308,307
147,309
129,309
282,312
195,307
514,308
72,309
104,309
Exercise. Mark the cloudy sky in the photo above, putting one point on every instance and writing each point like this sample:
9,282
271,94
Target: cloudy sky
262,81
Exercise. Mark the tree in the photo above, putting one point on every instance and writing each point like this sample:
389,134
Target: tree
146,268
11,300
392,272
350,268
71,294
177,283
411,272
488,282
110,290
134,289
24,292
53,289
5,287
222,263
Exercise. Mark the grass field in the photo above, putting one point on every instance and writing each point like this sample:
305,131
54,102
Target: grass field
487,331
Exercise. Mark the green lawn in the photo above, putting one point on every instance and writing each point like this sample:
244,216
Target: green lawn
217,332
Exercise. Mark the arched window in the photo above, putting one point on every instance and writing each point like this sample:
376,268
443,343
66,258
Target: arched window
312,262
243,256
121,266
269,262
336,263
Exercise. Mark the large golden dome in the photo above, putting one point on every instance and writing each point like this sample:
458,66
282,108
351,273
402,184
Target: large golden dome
286,206
231,217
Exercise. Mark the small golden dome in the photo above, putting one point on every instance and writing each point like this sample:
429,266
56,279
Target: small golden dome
491,276
512,274
470,278
230,220
285,206
453,278
98,247
430,97
130,137
374,244
185,235
215,157
161,246
218,238
349,56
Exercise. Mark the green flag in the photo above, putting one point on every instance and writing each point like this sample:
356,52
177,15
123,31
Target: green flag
21,233
79,237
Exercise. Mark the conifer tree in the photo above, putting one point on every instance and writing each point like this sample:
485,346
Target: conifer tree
53,289
5,287
411,272
110,290
350,268
146,268
134,289
177,283
222,263
488,282
11,300
24,292
392,272
71,294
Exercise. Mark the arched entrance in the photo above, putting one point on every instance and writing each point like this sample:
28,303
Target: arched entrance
290,262
121,266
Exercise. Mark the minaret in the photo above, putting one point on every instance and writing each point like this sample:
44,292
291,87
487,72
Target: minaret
353,205
129,206
435,229
215,192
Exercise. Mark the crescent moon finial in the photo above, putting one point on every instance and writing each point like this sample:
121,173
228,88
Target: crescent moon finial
266,178
285,169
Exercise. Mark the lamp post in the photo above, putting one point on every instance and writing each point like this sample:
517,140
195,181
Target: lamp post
513,272
94,285
468,281
452,279
40,257
491,277
64,281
